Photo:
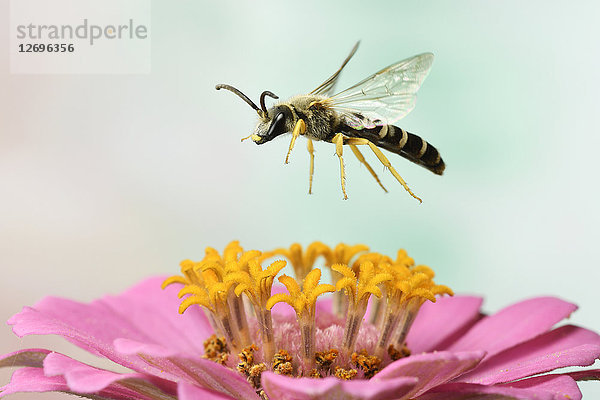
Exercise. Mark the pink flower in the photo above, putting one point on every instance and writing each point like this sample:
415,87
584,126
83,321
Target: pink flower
456,352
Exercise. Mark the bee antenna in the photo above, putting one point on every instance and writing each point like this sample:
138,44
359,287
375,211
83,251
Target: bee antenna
262,99
242,95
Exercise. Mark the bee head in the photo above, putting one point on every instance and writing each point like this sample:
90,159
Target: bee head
276,122
271,123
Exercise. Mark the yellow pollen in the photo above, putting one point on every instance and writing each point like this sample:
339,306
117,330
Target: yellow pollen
282,363
324,359
246,359
369,364
345,374
314,373
396,354
215,349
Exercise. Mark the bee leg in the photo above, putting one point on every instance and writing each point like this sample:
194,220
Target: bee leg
299,129
383,159
338,140
360,157
311,151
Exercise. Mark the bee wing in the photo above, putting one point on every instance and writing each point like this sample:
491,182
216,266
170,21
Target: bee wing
329,85
385,96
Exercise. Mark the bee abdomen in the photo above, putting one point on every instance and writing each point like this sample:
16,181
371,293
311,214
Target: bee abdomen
406,144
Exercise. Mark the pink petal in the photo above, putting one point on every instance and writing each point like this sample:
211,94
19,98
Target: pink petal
145,314
589,375
432,369
201,372
133,347
185,391
155,312
33,380
82,378
562,385
513,325
438,324
24,358
286,388
72,324
563,347
540,388
217,377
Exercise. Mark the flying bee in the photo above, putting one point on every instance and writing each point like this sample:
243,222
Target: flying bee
363,114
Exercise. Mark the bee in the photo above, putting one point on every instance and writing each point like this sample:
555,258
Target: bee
362,115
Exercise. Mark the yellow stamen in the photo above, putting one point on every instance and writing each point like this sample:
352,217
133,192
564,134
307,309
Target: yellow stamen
342,254
219,280
303,261
234,260
358,290
406,292
376,259
256,283
380,262
403,259
304,303
302,300
205,285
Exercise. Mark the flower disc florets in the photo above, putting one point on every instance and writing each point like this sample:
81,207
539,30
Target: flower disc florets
235,290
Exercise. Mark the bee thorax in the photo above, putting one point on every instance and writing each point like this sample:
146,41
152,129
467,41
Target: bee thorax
319,118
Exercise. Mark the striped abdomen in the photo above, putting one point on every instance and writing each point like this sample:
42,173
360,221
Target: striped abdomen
406,144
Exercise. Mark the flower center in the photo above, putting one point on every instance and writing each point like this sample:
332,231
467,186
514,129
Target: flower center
235,292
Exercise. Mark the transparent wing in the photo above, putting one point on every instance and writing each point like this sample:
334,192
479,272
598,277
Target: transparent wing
329,85
385,96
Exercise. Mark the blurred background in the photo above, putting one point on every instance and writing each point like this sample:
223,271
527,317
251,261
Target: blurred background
108,179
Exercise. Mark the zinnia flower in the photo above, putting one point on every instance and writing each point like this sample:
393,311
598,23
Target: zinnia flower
386,333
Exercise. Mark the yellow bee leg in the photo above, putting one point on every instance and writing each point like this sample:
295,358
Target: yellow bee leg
311,151
299,129
383,159
360,157
338,140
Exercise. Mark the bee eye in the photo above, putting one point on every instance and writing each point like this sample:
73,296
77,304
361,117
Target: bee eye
277,126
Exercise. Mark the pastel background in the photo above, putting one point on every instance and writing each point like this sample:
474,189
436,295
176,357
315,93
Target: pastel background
107,179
